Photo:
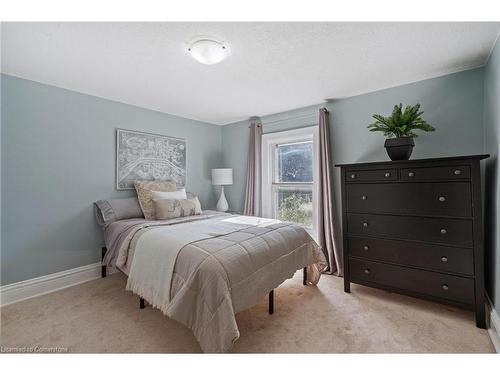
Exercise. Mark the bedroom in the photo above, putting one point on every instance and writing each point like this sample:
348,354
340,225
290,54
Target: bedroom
249,187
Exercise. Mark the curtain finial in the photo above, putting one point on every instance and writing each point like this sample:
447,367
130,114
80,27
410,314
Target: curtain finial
255,120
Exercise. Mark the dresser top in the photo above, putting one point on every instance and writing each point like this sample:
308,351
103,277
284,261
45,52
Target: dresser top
396,162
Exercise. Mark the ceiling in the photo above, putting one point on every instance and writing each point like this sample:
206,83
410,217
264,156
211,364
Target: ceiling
273,67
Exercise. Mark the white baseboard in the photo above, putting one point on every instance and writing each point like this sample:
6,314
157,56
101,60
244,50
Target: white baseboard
50,283
494,325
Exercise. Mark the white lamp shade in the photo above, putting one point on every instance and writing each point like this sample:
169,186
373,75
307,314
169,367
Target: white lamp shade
222,176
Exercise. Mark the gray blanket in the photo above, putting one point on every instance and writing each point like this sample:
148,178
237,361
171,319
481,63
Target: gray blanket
215,278
119,231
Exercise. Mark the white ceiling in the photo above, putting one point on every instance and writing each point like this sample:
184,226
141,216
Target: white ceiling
274,67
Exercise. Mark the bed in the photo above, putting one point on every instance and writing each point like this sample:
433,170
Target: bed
201,270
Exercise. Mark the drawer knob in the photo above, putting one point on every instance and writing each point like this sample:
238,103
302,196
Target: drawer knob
365,225
364,197
353,175
367,271
457,172
387,174
366,248
444,259
411,174
443,231
445,287
442,199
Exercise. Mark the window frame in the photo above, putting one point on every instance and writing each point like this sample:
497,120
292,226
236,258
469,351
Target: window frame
269,165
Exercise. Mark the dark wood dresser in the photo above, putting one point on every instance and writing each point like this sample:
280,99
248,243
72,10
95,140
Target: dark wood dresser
415,227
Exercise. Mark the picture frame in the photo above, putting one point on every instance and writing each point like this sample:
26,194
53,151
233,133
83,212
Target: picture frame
149,156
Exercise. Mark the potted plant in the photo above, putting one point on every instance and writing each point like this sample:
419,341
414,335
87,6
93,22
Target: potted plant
399,127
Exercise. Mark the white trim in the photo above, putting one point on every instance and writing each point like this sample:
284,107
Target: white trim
494,324
269,141
50,283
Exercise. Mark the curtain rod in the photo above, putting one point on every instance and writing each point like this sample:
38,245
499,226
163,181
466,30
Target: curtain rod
289,118
270,123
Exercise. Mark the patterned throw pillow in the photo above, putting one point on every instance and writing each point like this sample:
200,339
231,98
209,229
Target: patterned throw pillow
172,208
144,191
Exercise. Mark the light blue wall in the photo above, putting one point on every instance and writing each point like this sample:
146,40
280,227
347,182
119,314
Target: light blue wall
452,103
58,156
235,151
1,116
491,118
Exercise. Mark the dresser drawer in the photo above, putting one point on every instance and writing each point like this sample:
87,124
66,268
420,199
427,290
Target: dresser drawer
456,232
434,257
420,198
453,288
371,175
436,173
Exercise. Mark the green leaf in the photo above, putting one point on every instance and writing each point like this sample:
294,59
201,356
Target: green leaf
401,123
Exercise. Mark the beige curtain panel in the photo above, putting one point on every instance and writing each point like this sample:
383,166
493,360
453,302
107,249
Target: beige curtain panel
254,170
327,217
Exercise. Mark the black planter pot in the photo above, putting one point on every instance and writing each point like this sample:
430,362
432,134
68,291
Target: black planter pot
399,148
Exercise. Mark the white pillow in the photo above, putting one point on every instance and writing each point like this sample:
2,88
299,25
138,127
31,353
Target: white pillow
178,194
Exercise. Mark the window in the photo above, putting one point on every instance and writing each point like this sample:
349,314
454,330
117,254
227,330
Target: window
289,167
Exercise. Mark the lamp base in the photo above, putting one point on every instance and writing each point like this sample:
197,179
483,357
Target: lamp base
222,203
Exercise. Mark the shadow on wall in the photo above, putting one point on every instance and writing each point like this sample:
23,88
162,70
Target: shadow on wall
377,154
490,225
213,160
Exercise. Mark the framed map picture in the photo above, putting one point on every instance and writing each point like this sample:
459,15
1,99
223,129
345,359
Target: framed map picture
145,156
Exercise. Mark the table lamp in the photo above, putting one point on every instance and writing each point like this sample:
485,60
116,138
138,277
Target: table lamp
222,176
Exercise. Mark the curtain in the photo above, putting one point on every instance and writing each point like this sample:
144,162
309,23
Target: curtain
327,218
254,167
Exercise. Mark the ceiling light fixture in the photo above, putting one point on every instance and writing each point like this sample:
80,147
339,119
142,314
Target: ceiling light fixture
208,50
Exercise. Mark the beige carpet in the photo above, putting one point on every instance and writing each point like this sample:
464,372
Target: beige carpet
100,316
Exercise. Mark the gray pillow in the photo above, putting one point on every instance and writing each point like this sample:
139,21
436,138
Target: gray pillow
111,210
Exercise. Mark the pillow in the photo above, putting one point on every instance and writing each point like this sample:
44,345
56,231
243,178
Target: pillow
178,194
144,194
172,208
194,198
111,210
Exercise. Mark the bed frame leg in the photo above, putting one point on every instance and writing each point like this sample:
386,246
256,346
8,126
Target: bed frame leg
141,303
304,280
271,302
103,267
